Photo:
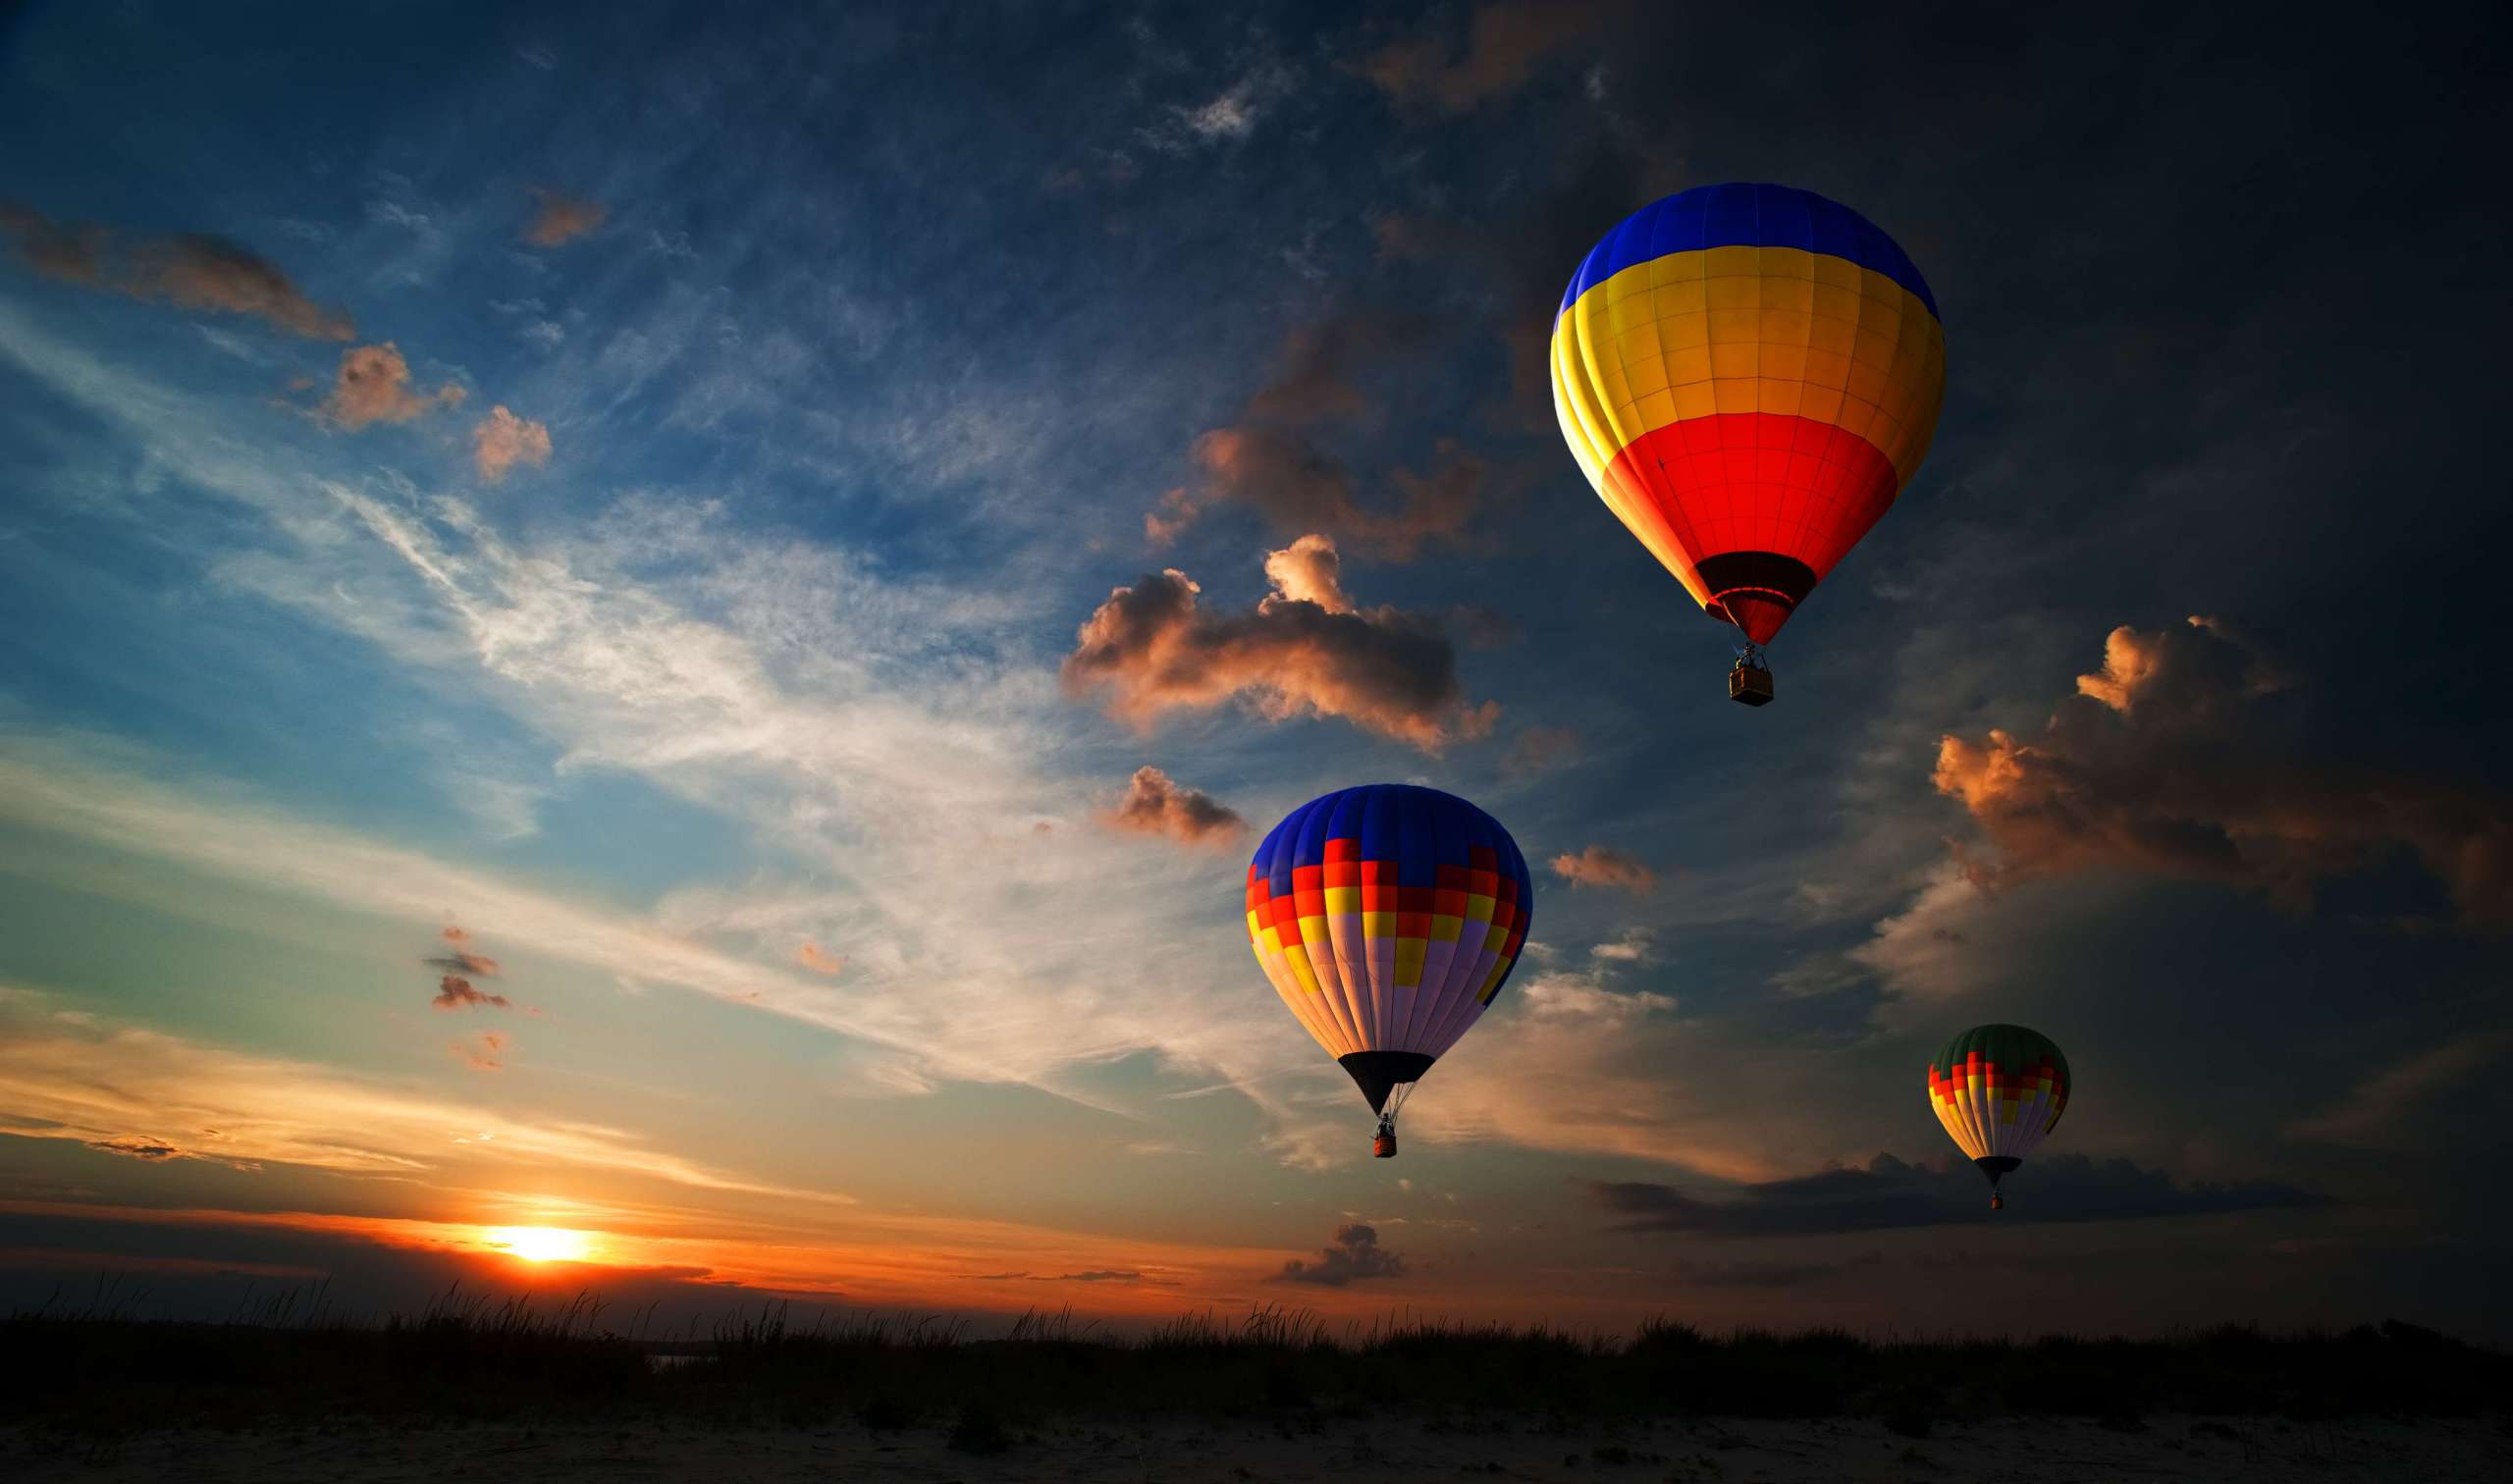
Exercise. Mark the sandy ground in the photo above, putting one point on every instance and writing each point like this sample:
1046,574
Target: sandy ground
2049,1452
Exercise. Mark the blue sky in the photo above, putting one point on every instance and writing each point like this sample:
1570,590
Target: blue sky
854,351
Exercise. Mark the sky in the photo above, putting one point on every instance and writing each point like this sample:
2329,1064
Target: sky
544,550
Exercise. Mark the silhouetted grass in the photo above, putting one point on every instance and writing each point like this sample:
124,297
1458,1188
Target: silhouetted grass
289,1358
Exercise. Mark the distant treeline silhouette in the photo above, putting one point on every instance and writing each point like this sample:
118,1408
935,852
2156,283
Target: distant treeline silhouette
295,1358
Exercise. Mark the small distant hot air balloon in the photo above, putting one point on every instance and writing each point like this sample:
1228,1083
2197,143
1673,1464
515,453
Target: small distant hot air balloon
1999,1090
1387,916
1748,375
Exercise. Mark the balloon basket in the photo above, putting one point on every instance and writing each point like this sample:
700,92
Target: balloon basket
1750,684
1384,1146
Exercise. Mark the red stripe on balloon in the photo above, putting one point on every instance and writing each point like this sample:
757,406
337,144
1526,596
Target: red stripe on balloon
1754,482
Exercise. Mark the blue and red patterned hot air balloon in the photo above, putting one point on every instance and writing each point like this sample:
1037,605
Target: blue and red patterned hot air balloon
1748,375
1388,917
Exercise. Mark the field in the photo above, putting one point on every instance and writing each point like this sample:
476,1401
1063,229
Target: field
1275,1393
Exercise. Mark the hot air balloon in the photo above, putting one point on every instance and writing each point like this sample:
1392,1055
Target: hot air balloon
1999,1090
1387,916
1748,375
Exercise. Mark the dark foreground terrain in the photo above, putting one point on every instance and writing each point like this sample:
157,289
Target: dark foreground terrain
496,1393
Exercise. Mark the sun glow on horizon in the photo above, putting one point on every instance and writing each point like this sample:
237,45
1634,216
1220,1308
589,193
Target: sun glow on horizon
534,1244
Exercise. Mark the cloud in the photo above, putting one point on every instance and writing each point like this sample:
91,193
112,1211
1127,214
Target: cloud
1751,1273
1599,866
454,993
1637,947
459,958
1270,462
1890,1194
1539,750
485,1052
1227,117
136,1148
2374,1113
820,959
70,252
373,385
198,272
1150,648
101,1083
1505,42
190,270
1154,804
1309,570
561,219
2186,755
1355,1256
502,439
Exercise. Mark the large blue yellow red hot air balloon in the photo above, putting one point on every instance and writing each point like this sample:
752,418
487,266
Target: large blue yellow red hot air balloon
1999,1090
1748,375
1388,917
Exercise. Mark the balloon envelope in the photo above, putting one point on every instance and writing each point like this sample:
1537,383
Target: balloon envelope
1999,1090
1748,375
1388,917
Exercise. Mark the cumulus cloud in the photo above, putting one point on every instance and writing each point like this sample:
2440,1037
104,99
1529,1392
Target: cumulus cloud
1599,866
561,219
373,386
1635,946
1354,1255
1506,41
2184,756
820,959
501,441
454,993
1150,648
190,270
1269,462
1155,805
1309,570
1891,1194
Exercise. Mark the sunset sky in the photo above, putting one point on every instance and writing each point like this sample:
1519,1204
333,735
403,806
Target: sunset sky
539,547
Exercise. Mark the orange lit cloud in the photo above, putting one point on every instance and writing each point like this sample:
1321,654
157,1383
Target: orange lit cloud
561,219
191,270
71,1076
373,385
2180,756
485,1052
501,441
1152,648
454,993
196,272
1154,804
819,959
1506,40
67,251
1598,866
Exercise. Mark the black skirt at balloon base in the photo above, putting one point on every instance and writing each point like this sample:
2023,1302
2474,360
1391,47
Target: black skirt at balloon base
1994,1166
1378,1073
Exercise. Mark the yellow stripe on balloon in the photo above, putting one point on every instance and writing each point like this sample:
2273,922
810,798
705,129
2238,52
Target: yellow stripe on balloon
1776,330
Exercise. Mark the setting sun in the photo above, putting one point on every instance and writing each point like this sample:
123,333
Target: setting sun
541,1244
